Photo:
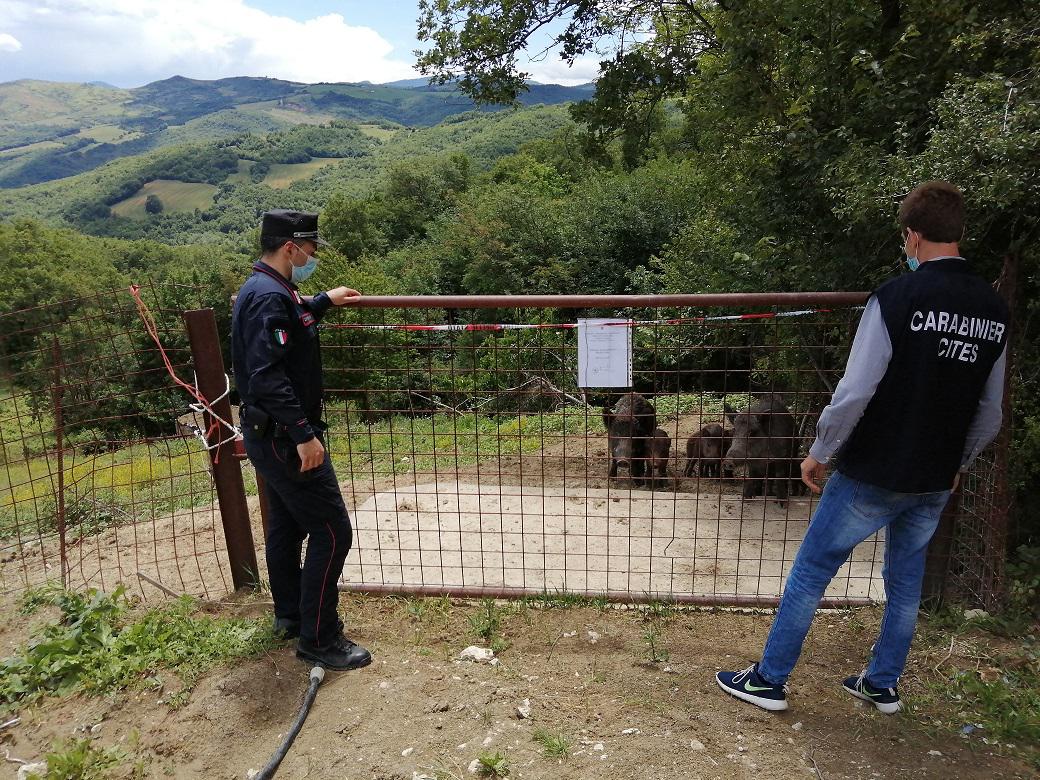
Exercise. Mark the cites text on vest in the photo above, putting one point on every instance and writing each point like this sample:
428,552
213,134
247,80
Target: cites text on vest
955,324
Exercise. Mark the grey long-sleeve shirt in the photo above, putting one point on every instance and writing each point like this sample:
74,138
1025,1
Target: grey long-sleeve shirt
868,361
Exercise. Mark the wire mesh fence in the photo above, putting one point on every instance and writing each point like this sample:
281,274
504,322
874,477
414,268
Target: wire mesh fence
975,568
476,464
98,481
473,459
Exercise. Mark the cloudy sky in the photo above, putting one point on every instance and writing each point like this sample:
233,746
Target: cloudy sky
132,42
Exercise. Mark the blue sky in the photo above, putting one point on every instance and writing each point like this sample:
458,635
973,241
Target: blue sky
132,42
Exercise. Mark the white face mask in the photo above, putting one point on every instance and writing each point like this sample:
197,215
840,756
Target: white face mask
300,273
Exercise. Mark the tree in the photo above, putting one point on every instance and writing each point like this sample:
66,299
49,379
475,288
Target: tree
774,67
153,204
653,48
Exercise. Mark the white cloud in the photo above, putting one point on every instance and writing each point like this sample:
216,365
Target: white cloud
9,43
552,70
132,42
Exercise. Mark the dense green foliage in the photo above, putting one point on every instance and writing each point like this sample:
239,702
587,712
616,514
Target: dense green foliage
299,144
802,126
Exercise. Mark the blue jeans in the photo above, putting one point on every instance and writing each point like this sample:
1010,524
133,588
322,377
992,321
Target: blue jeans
848,513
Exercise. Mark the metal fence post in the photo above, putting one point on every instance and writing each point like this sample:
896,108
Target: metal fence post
227,471
58,395
1003,496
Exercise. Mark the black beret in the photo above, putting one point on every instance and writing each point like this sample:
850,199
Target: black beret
283,223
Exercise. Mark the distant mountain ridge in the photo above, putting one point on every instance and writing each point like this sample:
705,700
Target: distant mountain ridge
50,130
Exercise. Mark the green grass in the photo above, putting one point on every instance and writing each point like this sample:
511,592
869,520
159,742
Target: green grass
39,146
104,489
284,174
984,674
289,117
444,442
108,134
147,480
40,596
97,646
158,478
563,600
377,131
241,176
655,651
175,196
492,765
487,622
81,759
553,745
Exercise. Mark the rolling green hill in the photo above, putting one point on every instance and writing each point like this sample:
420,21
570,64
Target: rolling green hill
232,180
53,131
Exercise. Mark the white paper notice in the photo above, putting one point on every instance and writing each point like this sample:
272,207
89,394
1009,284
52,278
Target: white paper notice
604,353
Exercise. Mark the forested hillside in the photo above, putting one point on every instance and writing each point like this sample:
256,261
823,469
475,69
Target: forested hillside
51,131
255,172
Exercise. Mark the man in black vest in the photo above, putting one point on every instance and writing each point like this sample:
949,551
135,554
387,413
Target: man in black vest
920,398
275,351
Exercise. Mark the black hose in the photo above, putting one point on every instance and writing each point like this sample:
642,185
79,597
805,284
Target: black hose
317,675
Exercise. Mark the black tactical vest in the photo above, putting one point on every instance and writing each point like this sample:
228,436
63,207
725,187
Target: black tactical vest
948,327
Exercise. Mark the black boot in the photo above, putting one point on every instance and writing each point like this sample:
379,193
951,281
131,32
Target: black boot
284,628
340,655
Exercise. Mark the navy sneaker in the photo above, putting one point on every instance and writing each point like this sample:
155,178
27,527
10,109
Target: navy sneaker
885,699
750,686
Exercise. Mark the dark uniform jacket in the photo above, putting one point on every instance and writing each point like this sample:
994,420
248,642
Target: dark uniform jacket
276,355
921,393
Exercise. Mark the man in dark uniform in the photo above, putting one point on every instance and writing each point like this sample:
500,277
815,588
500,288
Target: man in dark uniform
920,398
277,362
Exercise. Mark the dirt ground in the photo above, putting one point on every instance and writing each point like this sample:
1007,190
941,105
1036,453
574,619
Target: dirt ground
418,712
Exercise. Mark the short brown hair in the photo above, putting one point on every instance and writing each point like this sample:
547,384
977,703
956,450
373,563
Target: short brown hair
935,209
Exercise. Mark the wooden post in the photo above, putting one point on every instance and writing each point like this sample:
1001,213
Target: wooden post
227,470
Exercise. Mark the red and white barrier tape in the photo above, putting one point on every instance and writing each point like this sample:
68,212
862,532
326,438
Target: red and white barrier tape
572,325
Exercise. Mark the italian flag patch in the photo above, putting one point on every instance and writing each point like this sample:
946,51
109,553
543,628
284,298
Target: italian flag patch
281,337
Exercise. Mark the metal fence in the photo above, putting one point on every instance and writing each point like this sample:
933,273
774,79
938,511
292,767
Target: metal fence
100,483
473,461
475,464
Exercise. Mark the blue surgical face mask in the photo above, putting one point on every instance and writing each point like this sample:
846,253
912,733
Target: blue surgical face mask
911,260
300,273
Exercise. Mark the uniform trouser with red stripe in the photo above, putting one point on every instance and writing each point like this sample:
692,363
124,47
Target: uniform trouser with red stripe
309,506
